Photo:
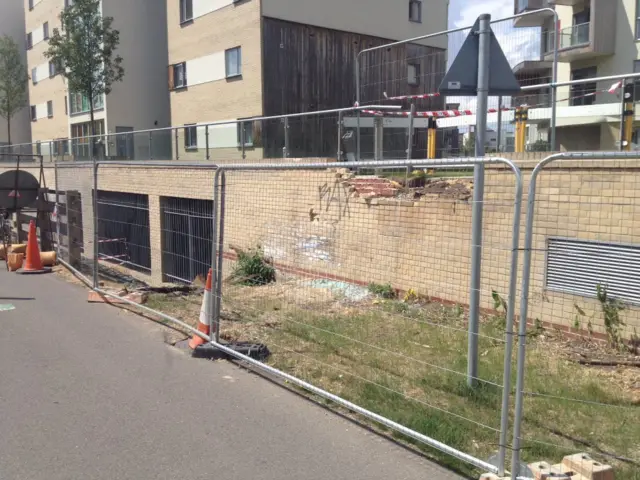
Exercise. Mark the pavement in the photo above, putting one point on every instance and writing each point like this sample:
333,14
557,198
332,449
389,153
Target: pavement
90,391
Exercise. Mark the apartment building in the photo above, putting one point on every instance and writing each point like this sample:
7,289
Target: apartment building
238,59
140,101
12,24
595,38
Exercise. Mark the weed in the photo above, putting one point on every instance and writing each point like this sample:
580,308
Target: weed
577,323
611,308
498,301
411,296
634,342
538,329
382,290
459,311
252,268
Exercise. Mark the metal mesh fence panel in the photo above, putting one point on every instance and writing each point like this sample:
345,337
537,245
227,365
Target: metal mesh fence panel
74,215
357,282
581,386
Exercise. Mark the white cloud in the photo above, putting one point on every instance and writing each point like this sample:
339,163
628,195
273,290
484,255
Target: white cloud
471,10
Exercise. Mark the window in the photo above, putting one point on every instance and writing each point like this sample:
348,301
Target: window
186,10
579,91
413,74
52,70
248,133
34,75
190,137
34,114
60,147
68,3
79,103
178,76
66,108
233,62
45,30
29,40
38,148
50,108
30,4
415,11
80,130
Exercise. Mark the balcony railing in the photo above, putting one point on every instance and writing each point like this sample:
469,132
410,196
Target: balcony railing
570,37
528,5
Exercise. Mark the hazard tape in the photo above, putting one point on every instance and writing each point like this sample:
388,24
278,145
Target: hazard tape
413,97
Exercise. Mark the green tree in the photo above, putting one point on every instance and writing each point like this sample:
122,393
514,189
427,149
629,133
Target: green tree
83,51
469,147
14,81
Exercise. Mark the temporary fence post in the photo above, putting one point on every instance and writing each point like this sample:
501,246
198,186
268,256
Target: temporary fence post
286,138
177,146
150,145
51,151
357,67
206,139
339,152
57,208
499,139
478,198
622,107
95,222
377,138
412,113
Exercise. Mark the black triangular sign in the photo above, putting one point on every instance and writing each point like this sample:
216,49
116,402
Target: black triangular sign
462,77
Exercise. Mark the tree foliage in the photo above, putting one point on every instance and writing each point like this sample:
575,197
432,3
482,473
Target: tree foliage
14,81
84,50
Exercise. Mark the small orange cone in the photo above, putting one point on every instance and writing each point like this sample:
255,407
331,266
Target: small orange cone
203,322
33,263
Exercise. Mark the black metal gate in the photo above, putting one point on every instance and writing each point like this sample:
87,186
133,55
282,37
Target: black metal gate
123,229
187,229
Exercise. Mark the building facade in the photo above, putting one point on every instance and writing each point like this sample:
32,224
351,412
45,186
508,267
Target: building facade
595,38
12,24
238,59
140,101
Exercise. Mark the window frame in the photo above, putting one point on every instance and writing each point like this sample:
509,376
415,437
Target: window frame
227,53
52,70
30,5
34,113
34,76
636,83
416,82
29,40
176,68
185,7
583,88
49,108
191,133
247,124
417,3
45,31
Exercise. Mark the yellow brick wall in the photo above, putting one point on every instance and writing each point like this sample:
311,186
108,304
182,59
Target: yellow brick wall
232,26
311,221
47,89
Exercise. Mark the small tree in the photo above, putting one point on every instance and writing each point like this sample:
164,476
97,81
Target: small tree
83,52
469,147
14,81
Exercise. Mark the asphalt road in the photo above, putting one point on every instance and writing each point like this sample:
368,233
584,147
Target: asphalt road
91,392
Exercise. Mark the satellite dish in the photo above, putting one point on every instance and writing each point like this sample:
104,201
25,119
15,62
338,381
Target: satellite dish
18,189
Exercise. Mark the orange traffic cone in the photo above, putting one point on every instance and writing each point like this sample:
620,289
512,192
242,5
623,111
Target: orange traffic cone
33,263
203,322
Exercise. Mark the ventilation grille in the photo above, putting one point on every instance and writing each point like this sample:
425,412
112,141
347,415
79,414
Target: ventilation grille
578,267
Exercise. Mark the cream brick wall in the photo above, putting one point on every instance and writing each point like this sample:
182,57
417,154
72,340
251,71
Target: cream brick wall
47,89
231,26
310,221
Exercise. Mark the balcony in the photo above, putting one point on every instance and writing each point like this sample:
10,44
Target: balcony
569,3
576,42
533,20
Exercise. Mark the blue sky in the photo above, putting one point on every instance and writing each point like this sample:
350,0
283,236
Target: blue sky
519,44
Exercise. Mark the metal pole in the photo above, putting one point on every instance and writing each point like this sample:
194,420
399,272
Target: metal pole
339,152
554,79
242,140
95,222
484,33
286,138
622,108
177,146
150,146
51,151
57,208
499,140
412,114
357,67
218,303
206,139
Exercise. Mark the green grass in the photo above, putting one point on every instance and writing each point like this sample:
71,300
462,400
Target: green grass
385,355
